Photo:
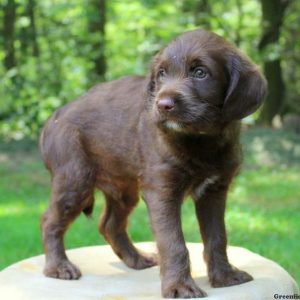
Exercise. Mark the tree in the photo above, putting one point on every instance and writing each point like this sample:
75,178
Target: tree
291,64
97,19
32,27
203,14
9,34
272,14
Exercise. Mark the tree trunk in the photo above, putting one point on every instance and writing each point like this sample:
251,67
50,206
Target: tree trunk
9,34
32,28
203,14
273,14
28,35
97,19
238,38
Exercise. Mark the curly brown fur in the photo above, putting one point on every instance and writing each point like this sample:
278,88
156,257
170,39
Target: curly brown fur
171,134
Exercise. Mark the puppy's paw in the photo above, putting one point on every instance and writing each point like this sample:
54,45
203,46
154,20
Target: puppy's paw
232,276
141,261
184,290
62,270
146,260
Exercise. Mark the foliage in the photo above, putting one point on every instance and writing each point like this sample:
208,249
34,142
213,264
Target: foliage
260,215
55,54
291,58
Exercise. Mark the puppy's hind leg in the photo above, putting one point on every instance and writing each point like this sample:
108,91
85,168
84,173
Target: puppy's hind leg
113,227
72,192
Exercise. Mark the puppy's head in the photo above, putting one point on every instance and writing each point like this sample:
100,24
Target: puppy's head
199,83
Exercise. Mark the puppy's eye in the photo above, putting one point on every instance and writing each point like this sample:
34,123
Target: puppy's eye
161,73
199,73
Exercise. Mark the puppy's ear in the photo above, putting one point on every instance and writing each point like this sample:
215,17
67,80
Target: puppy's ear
152,74
151,84
246,90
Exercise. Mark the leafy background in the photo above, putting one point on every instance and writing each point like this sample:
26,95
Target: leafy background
52,51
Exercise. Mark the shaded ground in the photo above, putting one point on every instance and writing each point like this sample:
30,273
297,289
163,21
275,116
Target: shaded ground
263,207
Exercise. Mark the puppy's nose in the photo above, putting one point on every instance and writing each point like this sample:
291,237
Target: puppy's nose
165,104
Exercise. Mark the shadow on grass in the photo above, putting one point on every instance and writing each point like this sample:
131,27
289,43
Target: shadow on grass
271,148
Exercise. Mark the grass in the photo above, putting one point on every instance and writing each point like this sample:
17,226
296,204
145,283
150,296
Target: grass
262,213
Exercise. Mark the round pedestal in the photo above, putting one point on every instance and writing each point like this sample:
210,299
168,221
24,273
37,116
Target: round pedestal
104,276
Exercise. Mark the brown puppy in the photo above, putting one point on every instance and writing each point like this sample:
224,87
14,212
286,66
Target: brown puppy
169,135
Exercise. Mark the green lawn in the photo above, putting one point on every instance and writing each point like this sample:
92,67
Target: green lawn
262,215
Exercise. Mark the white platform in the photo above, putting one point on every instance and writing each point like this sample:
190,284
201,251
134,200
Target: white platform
106,277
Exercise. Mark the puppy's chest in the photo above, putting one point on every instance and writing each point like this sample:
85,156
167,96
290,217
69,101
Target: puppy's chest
202,163
203,156
197,161
206,171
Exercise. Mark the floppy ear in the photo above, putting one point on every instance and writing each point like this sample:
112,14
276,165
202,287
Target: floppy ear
152,74
151,83
246,90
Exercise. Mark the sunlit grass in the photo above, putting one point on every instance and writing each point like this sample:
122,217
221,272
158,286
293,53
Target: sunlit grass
262,212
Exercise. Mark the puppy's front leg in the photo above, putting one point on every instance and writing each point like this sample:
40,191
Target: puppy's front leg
164,211
210,209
